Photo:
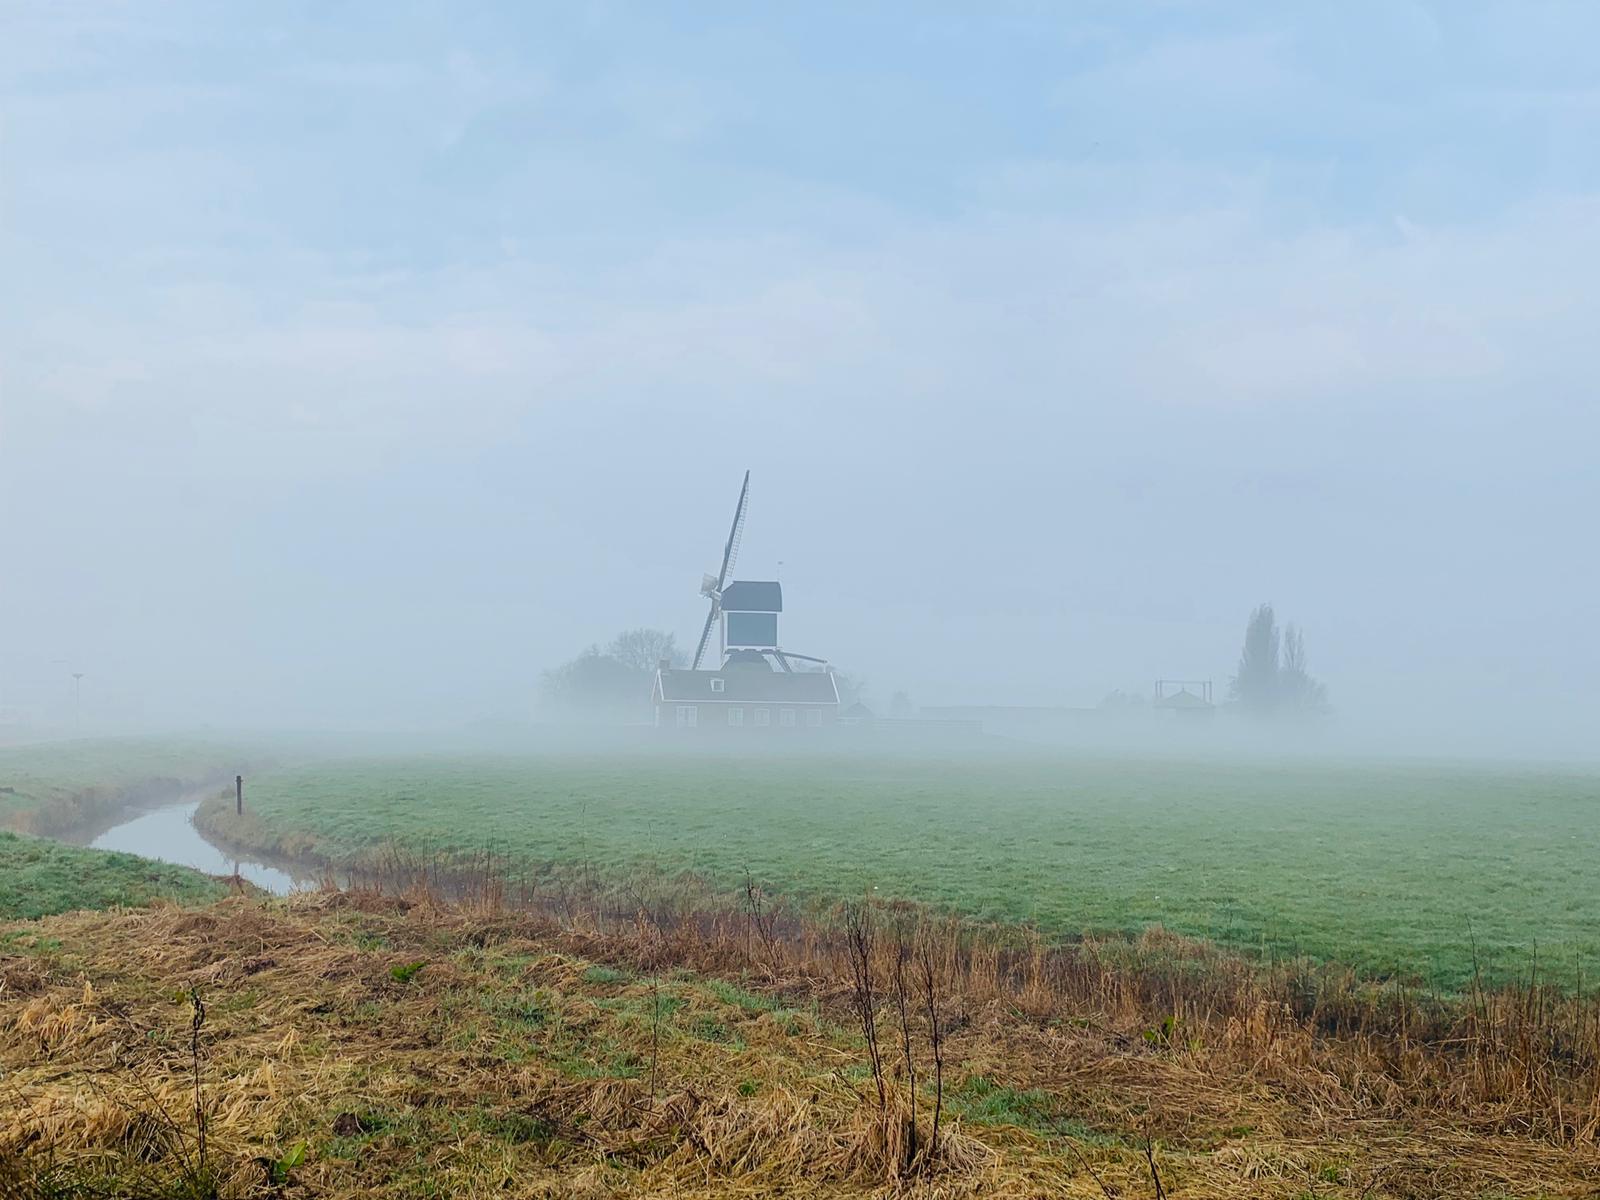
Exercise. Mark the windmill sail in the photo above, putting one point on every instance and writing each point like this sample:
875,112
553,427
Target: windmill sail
705,635
735,533
729,552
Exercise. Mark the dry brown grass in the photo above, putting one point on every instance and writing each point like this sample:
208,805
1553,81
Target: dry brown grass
597,1049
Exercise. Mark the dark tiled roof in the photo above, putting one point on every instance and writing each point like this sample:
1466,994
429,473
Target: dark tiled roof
752,686
753,595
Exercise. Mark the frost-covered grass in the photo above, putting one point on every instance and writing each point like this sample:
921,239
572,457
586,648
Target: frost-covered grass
1407,869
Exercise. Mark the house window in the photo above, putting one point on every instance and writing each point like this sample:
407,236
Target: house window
736,715
716,684
763,716
813,717
688,716
786,717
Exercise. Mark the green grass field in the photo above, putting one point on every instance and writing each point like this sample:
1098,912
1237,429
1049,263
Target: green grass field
1389,868
39,877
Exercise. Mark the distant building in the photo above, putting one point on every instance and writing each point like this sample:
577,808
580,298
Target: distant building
1174,695
745,697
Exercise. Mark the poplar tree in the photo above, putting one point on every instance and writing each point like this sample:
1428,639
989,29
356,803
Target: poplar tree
1255,686
1272,676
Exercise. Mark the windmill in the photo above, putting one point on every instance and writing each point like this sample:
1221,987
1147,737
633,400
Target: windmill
743,689
748,609
711,587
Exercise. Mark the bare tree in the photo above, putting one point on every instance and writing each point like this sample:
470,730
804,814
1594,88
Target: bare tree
763,920
613,683
643,649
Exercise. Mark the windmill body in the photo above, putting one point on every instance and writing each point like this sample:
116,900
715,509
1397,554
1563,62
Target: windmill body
749,611
752,682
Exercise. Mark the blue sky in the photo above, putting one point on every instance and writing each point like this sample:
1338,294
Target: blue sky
407,348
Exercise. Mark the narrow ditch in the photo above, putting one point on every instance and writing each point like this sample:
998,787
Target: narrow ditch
167,833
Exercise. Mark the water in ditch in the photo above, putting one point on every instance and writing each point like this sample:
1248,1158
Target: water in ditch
168,834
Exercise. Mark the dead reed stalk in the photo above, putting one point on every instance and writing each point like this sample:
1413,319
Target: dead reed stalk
902,955
930,996
859,931
1523,1056
197,1022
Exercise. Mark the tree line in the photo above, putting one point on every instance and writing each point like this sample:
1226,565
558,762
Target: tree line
1272,679
611,681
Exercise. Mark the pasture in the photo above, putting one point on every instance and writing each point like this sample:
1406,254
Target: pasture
1415,870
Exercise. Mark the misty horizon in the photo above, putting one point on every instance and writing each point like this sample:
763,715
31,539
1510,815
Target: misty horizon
354,374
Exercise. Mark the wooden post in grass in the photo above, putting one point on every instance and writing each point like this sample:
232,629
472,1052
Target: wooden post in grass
238,795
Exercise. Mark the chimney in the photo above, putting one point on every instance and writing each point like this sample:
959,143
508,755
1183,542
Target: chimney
663,664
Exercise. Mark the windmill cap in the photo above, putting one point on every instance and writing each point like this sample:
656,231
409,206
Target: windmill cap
752,595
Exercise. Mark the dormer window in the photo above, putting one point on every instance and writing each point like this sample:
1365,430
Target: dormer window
716,684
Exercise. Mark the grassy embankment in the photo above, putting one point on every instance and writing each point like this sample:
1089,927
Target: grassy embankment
39,877
356,1046
1416,871
60,787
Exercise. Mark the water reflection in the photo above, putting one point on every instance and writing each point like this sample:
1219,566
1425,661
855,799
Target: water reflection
169,834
